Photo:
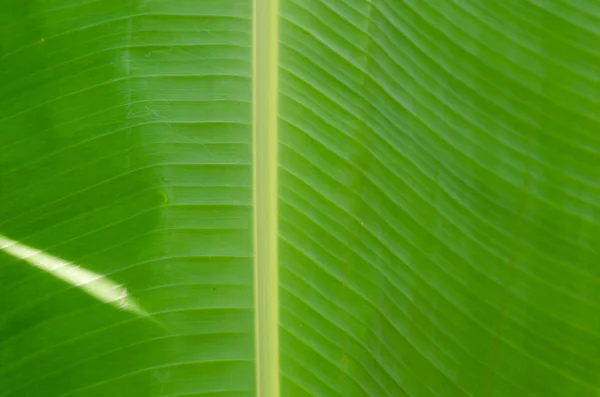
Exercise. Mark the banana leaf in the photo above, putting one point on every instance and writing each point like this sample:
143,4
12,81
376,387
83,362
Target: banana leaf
235,198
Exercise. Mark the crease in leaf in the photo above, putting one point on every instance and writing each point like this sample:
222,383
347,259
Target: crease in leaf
96,285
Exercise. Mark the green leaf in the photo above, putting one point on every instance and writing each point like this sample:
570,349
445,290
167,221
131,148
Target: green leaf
126,154
299,198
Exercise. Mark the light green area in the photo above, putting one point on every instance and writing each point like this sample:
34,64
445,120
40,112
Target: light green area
439,198
438,192
265,134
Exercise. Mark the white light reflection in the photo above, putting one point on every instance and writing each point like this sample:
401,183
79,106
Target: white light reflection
96,285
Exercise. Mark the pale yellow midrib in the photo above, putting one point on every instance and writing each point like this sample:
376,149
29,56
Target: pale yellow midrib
265,94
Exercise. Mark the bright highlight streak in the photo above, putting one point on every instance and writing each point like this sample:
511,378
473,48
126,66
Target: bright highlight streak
96,285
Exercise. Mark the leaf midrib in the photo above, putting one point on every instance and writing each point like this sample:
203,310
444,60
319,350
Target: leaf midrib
264,126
